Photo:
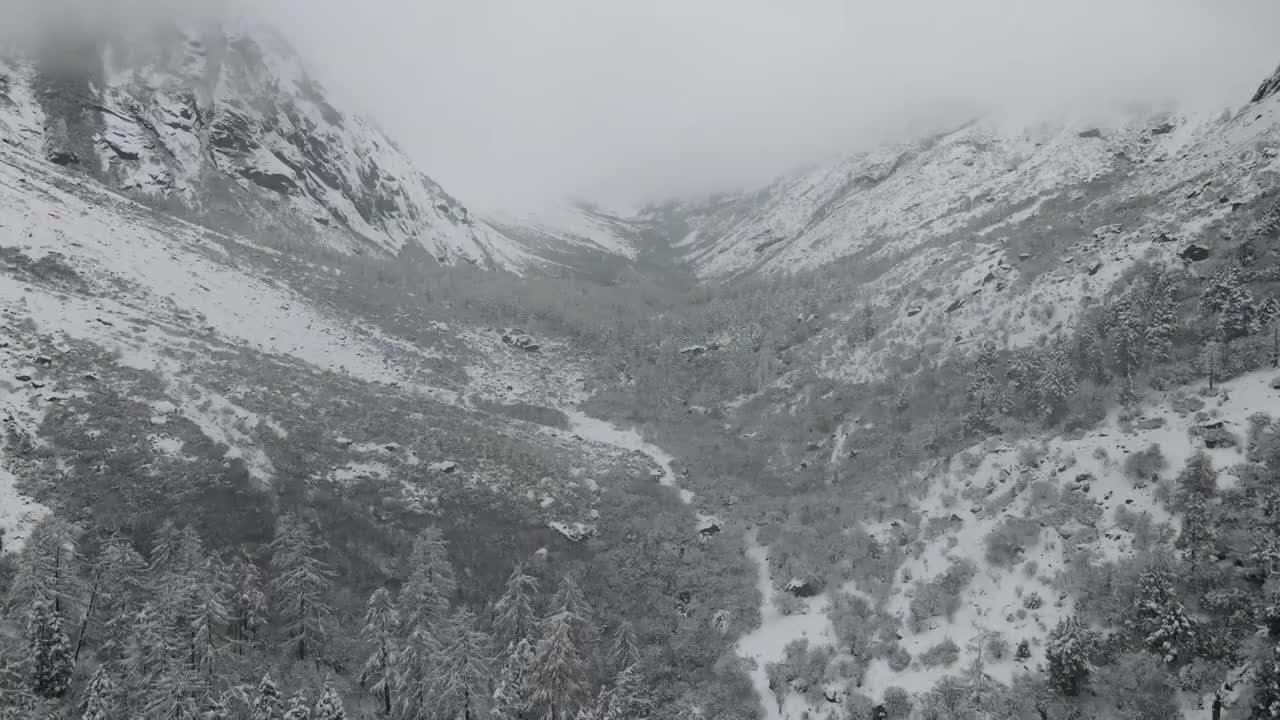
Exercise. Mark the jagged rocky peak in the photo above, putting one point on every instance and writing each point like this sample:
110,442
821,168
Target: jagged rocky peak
1269,87
222,120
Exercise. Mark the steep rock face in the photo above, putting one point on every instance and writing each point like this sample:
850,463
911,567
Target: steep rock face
224,124
1269,87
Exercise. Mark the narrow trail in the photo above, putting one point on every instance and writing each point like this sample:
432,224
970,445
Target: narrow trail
767,643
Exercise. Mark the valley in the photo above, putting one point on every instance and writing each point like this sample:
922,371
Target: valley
980,426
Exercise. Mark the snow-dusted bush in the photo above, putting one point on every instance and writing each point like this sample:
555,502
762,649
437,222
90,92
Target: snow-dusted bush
899,658
940,597
1009,539
1145,465
941,655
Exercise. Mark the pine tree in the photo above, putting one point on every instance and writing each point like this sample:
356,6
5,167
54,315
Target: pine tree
1159,618
1068,650
46,568
381,625
300,584
299,708
248,606
165,546
557,673
101,698
329,706
1211,361
511,696
468,673
629,698
426,594
267,704
174,693
416,670
1198,480
624,652
1266,686
48,651
121,589
572,605
515,617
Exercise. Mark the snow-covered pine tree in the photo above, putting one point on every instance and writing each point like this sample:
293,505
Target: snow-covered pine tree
511,695
415,675
624,651
248,605
165,546
381,628
572,605
329,706
121,589
204,611
300,585
629,698
48,651
428,591
46,568
267,704
299,708
515,615
175,692
556,680
467,675
1266,686
1198,479
1159,619
1068,650
101,698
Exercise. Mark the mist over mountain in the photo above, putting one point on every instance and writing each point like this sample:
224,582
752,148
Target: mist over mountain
886,362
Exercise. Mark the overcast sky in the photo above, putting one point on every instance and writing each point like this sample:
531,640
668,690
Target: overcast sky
507,101
630,99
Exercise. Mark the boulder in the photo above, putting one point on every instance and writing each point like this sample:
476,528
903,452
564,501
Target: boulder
1194,253
708,525
1091,134
802,588
1107,231
575,532
693,350
1275,383
914,310
44,360
1162,129
446,467
954,306
1094,268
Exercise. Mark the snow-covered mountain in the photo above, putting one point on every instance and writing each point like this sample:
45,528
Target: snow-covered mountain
988,180
224,123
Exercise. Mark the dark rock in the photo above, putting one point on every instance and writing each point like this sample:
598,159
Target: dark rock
914,310
768,244
1269,87
1024,256
990,276
693,350
61,156
1094,268
1194,253
22,377
274,181
1091,133
44,360
1162,129
832,696
1164,238
803,588
954,306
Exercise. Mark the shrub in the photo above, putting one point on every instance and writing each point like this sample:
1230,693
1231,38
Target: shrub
1009,539
941,655
897,703
997,646
899,659
1023,652
1033,601
1145,465
941,595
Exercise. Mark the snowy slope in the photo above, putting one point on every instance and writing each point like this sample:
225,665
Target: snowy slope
224,123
